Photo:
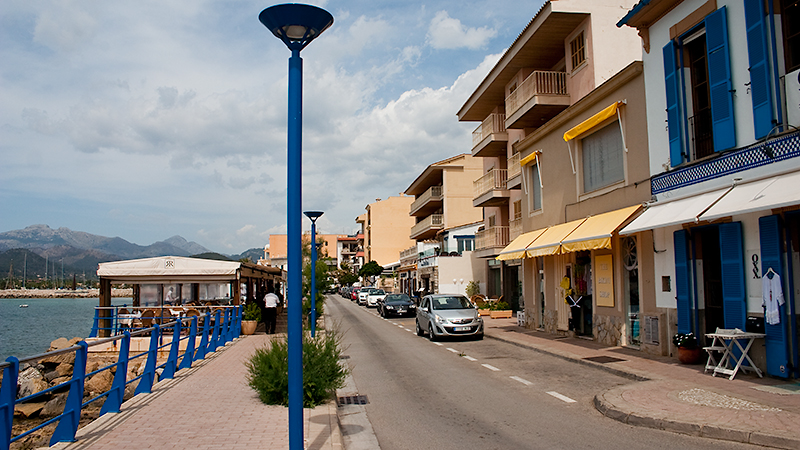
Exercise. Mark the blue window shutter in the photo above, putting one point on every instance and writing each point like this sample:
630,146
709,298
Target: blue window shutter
769,229
672,82
734,296
760,92
682,281
719,77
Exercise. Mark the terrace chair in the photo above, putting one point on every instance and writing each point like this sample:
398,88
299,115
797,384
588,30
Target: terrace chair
146,320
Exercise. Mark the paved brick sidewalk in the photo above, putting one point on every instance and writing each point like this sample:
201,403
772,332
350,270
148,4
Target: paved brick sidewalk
208,406
667,395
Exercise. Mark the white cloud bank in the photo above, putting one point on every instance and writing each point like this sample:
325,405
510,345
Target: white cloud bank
446,32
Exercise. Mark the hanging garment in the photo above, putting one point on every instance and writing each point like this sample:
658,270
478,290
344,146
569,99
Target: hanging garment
772,298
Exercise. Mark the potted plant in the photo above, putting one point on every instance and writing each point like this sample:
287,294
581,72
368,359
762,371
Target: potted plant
250,318
500,310
688,350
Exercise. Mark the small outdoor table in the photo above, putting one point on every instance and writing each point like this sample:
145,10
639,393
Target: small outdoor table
726,341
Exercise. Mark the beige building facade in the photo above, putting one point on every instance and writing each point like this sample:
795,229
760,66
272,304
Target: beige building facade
387,226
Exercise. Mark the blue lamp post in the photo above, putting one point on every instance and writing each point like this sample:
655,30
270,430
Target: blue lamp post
313,215
296,25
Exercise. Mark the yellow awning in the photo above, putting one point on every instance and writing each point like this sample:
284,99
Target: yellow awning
516,249
595,233
591,122
532,157
549,243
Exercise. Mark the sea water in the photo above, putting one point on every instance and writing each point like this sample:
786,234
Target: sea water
29,331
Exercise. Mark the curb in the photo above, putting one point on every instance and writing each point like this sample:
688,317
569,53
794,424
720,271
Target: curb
608,409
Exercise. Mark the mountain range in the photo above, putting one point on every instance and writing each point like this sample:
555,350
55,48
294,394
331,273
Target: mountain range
39,245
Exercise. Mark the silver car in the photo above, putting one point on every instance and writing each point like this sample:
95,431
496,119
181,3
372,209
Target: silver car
442,315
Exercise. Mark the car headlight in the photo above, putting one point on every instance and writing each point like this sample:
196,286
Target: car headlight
412,306
440,319
388,306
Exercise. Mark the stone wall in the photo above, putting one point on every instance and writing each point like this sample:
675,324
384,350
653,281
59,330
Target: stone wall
609,330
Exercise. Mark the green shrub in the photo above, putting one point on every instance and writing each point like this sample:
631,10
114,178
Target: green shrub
251,312
473,288
322,374
500,306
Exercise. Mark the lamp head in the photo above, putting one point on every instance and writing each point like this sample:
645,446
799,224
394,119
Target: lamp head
313,215
296,24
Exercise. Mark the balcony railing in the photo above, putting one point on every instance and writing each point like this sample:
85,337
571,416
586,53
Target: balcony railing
433,193
492,237
514,229
513,166
432,222
495,123
538,83
409,253
494,179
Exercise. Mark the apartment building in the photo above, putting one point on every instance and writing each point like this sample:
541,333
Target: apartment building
386,226
276,253
442,205
562,136
724,77
351,250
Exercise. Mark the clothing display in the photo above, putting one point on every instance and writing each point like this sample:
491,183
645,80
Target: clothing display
772,291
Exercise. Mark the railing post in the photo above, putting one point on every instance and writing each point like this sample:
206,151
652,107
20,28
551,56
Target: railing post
146,382
188,356
239,311
214,343
70,418
201,352
117,392
8,395
226,326
96,323
172,359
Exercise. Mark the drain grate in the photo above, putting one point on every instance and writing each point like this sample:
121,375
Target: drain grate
603,359
344,356
352,400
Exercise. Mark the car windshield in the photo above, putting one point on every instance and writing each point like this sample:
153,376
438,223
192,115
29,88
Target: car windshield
397,298
455,302
376,291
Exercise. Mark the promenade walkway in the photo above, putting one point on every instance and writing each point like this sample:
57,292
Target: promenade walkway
675,397
209,406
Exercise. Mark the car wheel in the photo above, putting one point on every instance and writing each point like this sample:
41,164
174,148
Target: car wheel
419,330
383,314
431,335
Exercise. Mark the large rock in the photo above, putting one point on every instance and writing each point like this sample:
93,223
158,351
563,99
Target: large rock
55,406
27,410
64,370
58,344
99,383
29,373
30,387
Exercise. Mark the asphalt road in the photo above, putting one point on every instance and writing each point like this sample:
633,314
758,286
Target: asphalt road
481,394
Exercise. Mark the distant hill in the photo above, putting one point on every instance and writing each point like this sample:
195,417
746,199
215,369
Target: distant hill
254,254
80,252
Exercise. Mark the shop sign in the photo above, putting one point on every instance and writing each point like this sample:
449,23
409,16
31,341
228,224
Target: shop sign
604,280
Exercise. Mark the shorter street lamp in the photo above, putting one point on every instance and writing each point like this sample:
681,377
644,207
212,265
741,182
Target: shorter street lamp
313,215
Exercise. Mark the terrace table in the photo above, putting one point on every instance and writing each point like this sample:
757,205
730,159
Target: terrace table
127,319
727,341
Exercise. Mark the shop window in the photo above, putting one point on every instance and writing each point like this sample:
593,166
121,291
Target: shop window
602,158
630,274
577,49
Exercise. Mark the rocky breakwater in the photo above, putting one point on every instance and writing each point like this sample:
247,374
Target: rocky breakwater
61,293
49,371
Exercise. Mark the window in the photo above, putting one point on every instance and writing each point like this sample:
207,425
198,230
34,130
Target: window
535,188
465,244
577,49
517,209
699,91
602,156
791,33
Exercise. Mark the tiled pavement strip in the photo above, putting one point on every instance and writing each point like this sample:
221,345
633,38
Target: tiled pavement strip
675,397
208,406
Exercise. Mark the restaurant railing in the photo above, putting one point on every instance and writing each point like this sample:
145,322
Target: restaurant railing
226,326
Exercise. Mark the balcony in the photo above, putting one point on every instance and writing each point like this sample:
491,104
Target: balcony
491,241
427,227
538,99
514,229
490,138
491,189
428,202
514,172
409,254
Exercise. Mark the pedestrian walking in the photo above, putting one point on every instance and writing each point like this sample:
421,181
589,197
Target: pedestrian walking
270,312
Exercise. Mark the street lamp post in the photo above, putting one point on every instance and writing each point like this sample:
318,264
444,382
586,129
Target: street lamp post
296,25
313,215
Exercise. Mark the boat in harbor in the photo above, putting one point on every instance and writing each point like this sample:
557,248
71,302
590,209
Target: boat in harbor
23,306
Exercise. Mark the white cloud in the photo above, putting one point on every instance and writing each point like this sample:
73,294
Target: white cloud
448,33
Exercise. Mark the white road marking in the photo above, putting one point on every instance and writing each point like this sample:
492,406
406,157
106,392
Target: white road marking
438,343
522,380
490,367
563,398
469,358
452,350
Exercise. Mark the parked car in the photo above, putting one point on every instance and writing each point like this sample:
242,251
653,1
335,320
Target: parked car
442,315
374,296
397,305
354,294
362,295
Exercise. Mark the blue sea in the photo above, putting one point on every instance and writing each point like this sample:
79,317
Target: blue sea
28,331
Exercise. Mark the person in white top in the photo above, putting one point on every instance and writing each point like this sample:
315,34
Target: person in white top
270,312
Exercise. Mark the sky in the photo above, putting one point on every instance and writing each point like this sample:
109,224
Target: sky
150,119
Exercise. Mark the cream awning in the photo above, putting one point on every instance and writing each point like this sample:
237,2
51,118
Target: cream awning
592,122
549,243
596,231
674,213
775,192
516,249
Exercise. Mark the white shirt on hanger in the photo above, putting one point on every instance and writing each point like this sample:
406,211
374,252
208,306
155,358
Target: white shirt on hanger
772,291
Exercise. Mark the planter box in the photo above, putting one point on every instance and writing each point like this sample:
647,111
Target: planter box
501,314
484,312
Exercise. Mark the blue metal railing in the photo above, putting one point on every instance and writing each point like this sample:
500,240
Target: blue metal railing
226,327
